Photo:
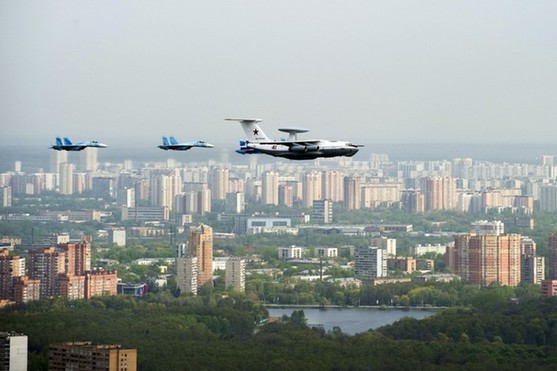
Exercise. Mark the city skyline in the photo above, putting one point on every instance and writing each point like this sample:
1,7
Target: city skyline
376,72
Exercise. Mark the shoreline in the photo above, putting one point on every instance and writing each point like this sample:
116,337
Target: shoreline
370,307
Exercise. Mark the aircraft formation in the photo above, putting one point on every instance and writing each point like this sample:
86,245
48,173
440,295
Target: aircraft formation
256,143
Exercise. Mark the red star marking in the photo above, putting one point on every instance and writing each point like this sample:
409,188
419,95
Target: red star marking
255,131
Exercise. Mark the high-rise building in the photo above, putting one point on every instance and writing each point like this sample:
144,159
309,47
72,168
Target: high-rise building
235,203
70,286
286,195
204,201
549,288
413,201
439,193
487,259
332,182
235,274
186,274
45,264
6,193
163,189
86,356
377,194
219,183
117,236
548,162
56,159
322,211
548,197
311,188
10,268
552,257
77,257
100,282
13,351
201,247
385,243
532,267
352,193
370,263
269,188
104,187
88,160
66,178
26,289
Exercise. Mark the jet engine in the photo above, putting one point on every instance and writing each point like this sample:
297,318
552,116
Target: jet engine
300,148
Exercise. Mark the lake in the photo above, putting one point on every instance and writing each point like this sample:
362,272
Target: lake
352,320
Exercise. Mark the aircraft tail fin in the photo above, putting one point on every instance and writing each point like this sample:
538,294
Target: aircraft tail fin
165,141
59,141
67,141
173,140
252,129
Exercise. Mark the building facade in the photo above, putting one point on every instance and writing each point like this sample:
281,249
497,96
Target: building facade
235,274
201,247
370,263
87,356
487,259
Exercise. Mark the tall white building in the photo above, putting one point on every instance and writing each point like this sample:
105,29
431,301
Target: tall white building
235,274
269,188
56,159
88,160
219,183
66,178
311,188
13,351
332,183
6,193
186,274
117,236
163,190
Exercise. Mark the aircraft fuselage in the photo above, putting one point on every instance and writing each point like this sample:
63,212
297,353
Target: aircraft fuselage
301,151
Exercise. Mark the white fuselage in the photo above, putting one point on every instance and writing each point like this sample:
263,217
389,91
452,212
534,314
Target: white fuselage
305,151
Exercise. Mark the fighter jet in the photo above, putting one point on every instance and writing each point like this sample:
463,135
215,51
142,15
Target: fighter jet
291,148
173,144
67,145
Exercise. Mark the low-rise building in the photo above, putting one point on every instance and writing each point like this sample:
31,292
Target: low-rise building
84,355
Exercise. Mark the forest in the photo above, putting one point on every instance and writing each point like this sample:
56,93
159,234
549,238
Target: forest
216,332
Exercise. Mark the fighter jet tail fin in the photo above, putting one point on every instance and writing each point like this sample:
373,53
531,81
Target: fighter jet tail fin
173,140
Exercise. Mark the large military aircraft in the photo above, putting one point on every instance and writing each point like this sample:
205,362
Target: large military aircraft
291,148
67,145
172,144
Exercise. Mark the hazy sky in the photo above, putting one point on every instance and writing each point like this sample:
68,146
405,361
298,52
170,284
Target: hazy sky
366,71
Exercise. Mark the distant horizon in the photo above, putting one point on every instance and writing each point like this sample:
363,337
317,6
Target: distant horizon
37,155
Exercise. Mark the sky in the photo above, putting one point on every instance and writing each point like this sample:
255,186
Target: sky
361,70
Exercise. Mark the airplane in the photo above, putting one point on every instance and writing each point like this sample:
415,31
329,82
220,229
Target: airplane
291,148
67,145
172,144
